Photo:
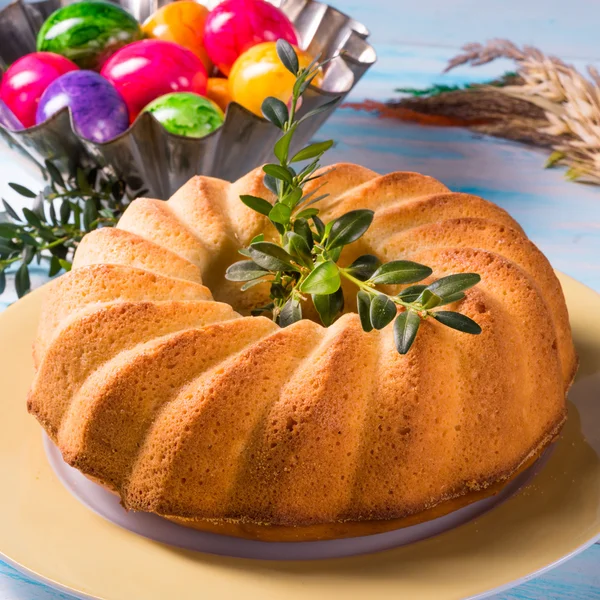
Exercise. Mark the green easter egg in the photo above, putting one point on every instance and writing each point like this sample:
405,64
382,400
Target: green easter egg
185,113
88,32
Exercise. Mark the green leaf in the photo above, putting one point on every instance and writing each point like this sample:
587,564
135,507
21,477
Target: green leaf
52,212
411,293
12,213
382,312
275,111
312,151
334,253
26,238
54,267
22,190
554,159
65,264
8,230
244,270
400,271
287,55
7,247
452,284
458,321
280,213
82,181
290,313
329,306
292,198
302,228
303,84
349,227
32,218
451,298
54,173
22,281
260,205
65,212
90,213
278,172
282,146
271,257
319,226
364,266
28,254
324,279
307,213
363,304
258,238
271,184
406,327
428,299
297,246
313,113
2,281
251,284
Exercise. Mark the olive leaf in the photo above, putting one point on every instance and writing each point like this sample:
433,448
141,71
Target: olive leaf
329,306
363,303
257,204
244,270
364,267
271,257
382,311
287,55
324,279
349,227
453,284
311,151
290,313
275,111
458,321
400,271
406,327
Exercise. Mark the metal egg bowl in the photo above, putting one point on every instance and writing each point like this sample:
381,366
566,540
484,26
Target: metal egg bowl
146,153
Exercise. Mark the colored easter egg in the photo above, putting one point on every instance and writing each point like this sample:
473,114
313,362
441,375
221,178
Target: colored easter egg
185,113
181,22
258,73
26,79
99,112
88,32
234,26
217,90
145,70
8,118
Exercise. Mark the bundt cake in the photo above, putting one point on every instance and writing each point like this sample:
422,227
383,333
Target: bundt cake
153,380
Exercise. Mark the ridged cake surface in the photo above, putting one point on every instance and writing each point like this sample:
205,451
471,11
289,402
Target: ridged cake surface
153,381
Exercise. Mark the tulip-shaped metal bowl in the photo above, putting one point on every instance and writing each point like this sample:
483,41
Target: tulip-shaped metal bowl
146,154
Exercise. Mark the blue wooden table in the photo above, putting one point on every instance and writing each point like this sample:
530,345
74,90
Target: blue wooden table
414,41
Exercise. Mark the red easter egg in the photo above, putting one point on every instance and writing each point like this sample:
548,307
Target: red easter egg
234,26
26,80
145,70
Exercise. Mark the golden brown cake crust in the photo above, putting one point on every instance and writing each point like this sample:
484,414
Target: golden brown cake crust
187,408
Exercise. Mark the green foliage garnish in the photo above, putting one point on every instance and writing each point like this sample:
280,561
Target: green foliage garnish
305,261
63,213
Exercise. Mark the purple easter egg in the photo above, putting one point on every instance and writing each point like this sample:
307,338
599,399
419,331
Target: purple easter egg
99,112
8,118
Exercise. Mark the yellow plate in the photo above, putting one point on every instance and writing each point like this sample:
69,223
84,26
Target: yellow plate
50,535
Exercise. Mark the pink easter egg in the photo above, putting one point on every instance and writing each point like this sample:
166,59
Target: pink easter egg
26,80
145,70
234,26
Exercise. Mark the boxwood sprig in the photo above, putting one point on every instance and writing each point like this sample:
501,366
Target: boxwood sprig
304,262
62,213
